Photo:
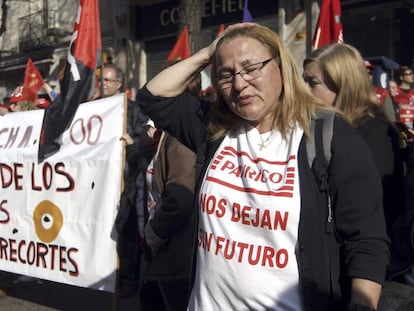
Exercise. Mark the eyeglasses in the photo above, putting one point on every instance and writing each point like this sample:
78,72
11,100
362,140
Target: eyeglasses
408,74
248,73
109,80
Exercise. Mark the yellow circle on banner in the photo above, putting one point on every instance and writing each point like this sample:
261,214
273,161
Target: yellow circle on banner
46,212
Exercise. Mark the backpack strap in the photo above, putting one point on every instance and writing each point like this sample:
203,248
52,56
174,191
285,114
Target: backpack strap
319,156
327,118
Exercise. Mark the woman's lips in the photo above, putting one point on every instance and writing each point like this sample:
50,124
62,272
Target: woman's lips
244,100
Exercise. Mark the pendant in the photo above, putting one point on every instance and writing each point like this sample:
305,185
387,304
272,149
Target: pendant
264,142
262,145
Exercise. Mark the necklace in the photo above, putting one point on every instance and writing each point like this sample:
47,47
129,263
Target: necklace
265,141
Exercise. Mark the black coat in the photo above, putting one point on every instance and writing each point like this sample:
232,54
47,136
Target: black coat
385,144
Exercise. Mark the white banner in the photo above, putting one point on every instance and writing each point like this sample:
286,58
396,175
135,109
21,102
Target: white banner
57,217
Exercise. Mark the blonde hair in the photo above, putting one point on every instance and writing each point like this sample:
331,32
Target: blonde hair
296,104
26,105
345,74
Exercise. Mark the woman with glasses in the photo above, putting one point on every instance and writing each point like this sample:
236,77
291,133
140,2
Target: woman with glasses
261,242
405,78
405,95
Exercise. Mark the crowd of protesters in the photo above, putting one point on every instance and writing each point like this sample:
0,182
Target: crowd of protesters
24,99
165,220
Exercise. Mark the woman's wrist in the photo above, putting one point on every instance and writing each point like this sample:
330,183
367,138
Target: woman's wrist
204,55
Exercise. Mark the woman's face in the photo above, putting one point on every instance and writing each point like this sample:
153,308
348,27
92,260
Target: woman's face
252,100
314,78
393,88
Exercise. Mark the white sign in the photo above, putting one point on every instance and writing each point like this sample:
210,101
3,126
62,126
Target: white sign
57,217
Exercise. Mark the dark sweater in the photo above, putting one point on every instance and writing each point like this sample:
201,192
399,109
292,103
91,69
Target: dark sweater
384,142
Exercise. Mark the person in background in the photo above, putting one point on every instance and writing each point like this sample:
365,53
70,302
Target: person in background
112,79
381,92
138,153
130,241
405,80
262,241
393,88
402,267
404,98
383,95
171,222
151,298
22,99
327,70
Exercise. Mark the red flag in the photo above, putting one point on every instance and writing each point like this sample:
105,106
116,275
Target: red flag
33,80
329,29
78,80
220,30
181,49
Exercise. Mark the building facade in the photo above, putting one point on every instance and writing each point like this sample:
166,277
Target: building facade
138,35
42,29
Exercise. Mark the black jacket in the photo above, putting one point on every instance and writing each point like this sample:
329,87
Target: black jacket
385,144
357,202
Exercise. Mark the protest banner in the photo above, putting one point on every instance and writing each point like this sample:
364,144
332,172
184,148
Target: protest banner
57,217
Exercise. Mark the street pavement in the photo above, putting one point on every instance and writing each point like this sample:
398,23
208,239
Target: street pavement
42,295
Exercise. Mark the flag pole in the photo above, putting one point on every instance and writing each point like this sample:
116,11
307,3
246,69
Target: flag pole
48,90
101,67
318,34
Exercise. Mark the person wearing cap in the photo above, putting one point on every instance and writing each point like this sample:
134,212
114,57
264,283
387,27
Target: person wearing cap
22,99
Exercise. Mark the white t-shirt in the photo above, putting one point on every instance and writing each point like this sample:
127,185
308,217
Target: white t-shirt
249,216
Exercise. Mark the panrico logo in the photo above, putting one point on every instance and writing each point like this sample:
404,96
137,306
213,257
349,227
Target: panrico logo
260,176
